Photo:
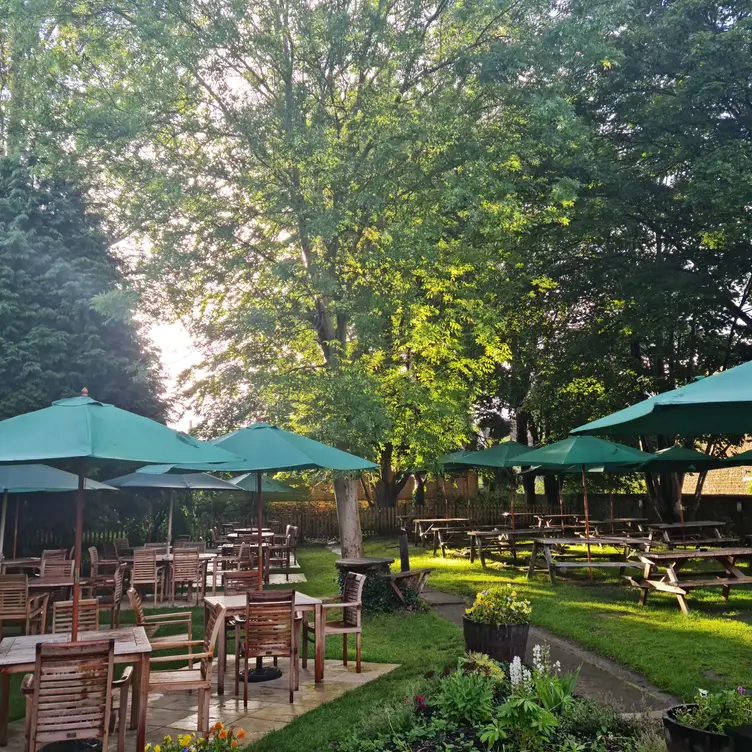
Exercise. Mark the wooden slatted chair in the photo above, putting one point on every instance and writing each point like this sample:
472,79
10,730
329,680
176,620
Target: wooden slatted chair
279,554
98,576
167,619
57,569
69,695
191,678
88,616
267,630
122,547
17,606
146,572
186,570
111,599
352,611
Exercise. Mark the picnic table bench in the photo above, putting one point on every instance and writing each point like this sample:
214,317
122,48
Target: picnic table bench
672,563
693,533
501,539
620,526
553,549
424,526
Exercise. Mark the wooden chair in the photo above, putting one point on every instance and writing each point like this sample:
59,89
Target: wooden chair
69,695
152,623
187,570
112,601
122,547
352,611
239,581
57,569
110,552
99,577
55,553
88,616
146,572
279,553
17,606
191,678
268,630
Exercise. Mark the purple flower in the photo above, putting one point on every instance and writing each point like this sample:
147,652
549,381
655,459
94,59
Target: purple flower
741,690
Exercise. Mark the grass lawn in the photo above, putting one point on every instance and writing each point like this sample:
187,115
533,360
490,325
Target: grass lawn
712,647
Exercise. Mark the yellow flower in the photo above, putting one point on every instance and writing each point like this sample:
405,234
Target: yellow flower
147,748
157,748
185,740
168,739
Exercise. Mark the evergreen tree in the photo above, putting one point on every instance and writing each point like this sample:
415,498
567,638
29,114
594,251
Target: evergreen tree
54,260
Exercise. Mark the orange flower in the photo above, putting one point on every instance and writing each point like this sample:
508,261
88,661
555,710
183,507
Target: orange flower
223,734
241,734
234,743
217,726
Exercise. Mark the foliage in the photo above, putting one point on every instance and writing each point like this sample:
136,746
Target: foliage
715,711
217,739
465,698
480,663
499,605
54,260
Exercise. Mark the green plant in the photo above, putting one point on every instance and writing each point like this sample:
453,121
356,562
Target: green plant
465,699
532,724
585,719
717,710
556,693
480,663
499,605
217,739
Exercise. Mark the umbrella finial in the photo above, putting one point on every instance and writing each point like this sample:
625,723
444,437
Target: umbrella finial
84,392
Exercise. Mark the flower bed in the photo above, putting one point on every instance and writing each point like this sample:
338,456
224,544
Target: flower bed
486,705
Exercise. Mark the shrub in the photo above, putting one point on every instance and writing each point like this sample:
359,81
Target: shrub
717,710
465,699
499,605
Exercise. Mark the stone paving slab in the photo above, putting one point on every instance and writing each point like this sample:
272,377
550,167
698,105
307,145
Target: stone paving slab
268,707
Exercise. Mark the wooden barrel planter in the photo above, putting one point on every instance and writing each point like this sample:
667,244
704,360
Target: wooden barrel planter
501,642
681,738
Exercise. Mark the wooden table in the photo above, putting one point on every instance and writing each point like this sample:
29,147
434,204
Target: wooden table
500,539
620,526
548,546
18,656
31,563
424,525
235,606
558,520
692,533
673,561
265,535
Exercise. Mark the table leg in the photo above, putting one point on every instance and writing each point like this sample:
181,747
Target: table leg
143,703
472,550
4,708
548,553
533,557
319,620
135,695
481,553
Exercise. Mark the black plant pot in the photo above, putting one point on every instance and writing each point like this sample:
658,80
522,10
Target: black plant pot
501,642
681,738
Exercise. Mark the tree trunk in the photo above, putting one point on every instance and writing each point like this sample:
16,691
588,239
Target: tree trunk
528,479
551,489
348,517
390,484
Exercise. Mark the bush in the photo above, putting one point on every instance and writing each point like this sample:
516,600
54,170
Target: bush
465,699
499,605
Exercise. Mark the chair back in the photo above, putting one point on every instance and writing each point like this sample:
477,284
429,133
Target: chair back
117,592
121,546
55,553
57,569
72,693
269,622
211,632
94,559
199,546
88,616
138,607
144,566
352,592
227,527
239,581
110,552
185,563
14,596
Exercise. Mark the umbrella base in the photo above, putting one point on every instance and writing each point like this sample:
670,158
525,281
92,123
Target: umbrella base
268,673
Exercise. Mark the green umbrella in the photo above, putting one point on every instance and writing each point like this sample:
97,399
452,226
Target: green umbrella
17,479
718,404
191,481
84,429
743,458
269,487
265,449
508,454
583,453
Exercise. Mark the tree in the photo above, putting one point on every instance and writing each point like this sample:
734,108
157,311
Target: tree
53,262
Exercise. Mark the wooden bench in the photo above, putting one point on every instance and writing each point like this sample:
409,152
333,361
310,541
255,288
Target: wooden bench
703,542
414,579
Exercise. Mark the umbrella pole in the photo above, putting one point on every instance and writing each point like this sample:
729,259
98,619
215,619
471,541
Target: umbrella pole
511,495
561,500
3,516
15,531
587,518
611,504
680,498
260,524
77,551
169,522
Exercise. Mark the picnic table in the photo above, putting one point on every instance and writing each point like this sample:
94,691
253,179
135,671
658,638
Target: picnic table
672,562
499,539
235,606
18,656
30,563
692,533
620,526
424,525
553,549
557,520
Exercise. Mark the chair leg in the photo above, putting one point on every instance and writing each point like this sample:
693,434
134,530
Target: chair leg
245,677
305,642
358,644
344,649
237,662
122,717
292,674
203,711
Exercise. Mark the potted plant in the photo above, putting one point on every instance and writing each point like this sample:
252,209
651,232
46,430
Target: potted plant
701,726
497,623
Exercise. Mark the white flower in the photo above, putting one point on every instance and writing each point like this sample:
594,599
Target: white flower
515,672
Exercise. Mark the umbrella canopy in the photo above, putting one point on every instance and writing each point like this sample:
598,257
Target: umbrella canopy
743,458
718,404
681,459
83,427
269,486
194,481
34,479
585,452
266,448
504,455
